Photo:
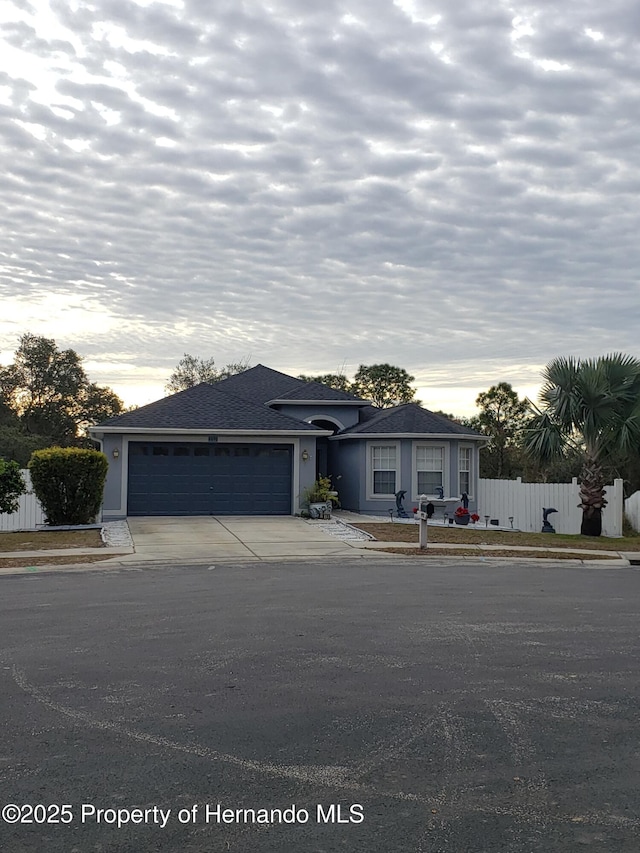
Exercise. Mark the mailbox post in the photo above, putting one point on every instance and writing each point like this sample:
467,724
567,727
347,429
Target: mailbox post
423,516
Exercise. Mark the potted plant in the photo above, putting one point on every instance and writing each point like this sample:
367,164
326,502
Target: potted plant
475,517
320,497
461,515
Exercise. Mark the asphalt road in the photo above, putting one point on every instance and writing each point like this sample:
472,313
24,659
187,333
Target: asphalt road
471,709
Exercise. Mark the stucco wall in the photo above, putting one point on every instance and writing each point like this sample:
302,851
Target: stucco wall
345,415
112,503
355,488
348,464
115,494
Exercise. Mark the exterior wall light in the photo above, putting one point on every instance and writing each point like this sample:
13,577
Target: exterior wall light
115,453
305,456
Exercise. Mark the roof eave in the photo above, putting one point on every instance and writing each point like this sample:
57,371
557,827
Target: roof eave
458,435
119,430
318,402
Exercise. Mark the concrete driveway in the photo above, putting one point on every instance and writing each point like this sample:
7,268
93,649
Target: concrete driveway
209,538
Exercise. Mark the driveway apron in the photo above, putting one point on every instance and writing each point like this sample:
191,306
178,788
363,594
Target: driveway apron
209,538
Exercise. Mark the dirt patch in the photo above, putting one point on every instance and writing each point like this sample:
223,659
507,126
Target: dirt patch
471,552
28,562
45,540
459,535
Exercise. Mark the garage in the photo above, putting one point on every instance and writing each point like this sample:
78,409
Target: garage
189,478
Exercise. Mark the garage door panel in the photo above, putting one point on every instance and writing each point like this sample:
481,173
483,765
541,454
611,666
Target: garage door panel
195,479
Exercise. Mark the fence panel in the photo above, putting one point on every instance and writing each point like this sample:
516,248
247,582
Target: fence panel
524,502
29,514
632,509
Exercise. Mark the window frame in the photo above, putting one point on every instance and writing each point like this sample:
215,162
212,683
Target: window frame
460,471
374,496
445,447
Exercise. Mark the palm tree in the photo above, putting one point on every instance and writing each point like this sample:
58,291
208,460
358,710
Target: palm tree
592,406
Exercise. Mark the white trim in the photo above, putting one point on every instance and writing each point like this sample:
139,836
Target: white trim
124,458
330,418
416,436
95,432
371,496
290,402
446,464
295,476
472,479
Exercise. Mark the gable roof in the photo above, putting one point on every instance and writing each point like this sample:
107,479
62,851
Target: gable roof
205,407
408,419
259,384
317,392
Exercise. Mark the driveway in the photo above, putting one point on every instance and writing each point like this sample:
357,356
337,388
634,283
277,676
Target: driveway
209,538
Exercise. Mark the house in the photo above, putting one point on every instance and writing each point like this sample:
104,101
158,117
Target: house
250,445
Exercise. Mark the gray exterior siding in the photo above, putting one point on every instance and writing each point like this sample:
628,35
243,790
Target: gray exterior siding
355,485
345,416
242,410
348,465
116,486
112,507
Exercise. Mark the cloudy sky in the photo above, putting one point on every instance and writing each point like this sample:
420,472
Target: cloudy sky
451,187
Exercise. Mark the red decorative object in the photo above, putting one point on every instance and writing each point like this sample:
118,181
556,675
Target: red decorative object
475,517
461,512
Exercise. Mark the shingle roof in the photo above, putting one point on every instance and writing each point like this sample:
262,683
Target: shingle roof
409,418
205,406
259,384
320,392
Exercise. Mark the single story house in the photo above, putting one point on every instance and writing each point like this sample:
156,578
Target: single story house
251,444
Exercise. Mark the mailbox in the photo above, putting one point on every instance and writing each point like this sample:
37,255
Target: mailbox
425,508
425,511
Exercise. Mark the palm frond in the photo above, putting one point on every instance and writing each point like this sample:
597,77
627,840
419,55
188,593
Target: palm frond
543,438
558,390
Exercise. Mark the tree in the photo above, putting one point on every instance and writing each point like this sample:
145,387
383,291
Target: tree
383,384
18,446
592,407
502,418
96,404
334,380
48,391
12,485
192,370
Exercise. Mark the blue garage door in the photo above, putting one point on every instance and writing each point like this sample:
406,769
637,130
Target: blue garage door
172,478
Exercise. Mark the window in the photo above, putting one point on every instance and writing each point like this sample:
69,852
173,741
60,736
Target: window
464,467
138,450
430,469
160,450
383,468
200,451
180,451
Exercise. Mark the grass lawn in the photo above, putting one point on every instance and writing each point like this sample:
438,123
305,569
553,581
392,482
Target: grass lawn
468,535
42,540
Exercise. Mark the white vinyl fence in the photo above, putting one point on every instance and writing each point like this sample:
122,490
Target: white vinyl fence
496,498
502,499
29,513
632,509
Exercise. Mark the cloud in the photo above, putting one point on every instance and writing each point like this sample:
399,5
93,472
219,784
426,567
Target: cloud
452,185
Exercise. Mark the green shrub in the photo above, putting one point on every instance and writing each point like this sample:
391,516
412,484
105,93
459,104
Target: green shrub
320,492
69,482
12,485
